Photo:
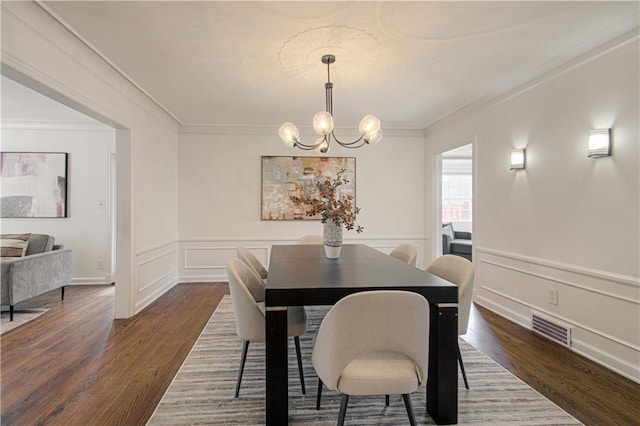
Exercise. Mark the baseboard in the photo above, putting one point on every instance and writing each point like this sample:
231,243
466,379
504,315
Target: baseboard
504,312
208,278
89,281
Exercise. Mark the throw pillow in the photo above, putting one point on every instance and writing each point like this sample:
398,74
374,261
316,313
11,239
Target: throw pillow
448,231
13,245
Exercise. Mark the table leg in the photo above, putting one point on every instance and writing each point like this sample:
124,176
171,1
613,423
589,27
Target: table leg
442,382
277,392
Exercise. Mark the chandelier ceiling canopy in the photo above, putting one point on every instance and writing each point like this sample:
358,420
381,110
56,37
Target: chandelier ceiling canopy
369,128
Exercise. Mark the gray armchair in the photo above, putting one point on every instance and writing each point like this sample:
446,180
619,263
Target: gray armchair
454,242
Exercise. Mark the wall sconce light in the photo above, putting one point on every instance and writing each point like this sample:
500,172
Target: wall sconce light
517,159
599,143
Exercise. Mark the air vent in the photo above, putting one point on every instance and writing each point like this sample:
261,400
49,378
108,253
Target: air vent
551,328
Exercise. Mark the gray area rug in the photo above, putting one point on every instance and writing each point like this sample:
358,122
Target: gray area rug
202,390
19,318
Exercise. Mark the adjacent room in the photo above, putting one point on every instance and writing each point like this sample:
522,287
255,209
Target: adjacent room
320,212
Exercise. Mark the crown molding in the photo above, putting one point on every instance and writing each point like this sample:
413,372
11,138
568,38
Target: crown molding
106,59
55,125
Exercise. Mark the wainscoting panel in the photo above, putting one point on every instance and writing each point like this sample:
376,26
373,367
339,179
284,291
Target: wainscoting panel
602,309
206,260
206,257
156,273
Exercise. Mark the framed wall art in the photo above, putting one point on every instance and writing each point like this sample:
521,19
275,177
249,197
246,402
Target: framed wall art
283,176
33,184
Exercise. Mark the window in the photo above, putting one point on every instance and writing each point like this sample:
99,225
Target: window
456,198
457,190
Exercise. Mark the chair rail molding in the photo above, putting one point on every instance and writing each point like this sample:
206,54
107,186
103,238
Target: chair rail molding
609,276
598,305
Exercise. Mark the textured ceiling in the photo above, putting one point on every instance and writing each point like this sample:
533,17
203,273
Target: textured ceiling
409,63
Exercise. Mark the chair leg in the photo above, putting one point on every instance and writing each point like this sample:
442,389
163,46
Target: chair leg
464,375
296,339
245,348
343,409
319,394
62,293
386,400
407,404
10,312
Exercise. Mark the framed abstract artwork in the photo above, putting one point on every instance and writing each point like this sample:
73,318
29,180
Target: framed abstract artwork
33,184
283,176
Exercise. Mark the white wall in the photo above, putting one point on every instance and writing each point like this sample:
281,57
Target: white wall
566,222
86,229
220,196
39,52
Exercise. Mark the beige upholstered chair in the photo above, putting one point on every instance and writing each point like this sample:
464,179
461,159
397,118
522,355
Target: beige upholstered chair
408,253
459,271
374,343
311,239
247,297
249,259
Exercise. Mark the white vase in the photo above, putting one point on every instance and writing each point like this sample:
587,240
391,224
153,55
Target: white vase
332,236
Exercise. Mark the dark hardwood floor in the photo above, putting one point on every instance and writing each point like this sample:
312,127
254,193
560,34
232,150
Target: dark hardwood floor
75,365
591,393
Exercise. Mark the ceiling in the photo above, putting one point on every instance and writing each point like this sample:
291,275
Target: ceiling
409,63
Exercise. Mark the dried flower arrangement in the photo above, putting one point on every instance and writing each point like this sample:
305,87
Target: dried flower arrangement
323,198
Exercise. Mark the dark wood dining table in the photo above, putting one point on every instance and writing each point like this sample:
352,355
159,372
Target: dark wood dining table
301,275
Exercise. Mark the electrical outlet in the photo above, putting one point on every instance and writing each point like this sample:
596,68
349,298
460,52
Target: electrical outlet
100,264
553,296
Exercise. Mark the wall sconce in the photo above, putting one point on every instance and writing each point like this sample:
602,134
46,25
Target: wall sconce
599,143
517,159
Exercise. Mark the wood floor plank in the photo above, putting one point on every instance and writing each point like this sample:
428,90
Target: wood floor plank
76,365
591,393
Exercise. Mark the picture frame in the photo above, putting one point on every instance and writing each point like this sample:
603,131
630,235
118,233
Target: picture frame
283,176
33,184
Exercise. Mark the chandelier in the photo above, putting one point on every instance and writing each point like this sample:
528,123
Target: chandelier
369,127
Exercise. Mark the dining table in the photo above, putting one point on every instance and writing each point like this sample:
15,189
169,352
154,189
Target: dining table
302,275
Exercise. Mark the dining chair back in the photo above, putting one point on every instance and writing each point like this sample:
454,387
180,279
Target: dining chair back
374,343
407,253
311,239
459,271
247,257
247,298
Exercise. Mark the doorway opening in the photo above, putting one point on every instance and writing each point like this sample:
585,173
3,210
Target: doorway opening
456,201
120,246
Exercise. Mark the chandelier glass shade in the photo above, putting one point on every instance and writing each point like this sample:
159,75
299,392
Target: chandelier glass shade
369,128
